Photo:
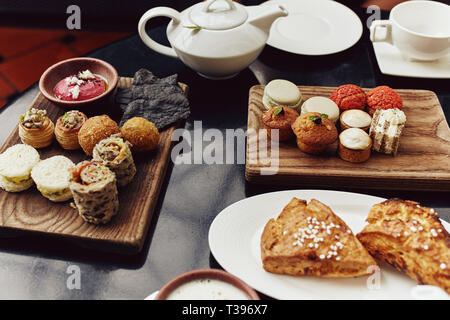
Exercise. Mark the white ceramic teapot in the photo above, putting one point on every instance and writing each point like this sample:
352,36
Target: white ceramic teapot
216,38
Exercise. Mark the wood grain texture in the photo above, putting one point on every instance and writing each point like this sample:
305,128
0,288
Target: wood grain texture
28,211
422,163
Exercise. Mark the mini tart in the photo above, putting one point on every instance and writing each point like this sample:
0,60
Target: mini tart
280,92
68,138
38,137
354,145
314,132
355,119
281,121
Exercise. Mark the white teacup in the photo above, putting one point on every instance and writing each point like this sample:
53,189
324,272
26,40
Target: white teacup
419,29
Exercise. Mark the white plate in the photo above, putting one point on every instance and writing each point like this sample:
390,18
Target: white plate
315,27
391,62
234,240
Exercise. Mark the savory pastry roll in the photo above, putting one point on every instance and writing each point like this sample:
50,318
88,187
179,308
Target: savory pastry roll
309,239
15,167
94,191
67,128
36,129
115,153
52,178
94,130
411,238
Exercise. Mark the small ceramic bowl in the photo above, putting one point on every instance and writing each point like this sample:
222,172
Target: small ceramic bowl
65,68
215,274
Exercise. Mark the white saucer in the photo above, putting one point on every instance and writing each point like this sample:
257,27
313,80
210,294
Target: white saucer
391,62
152,296
315,27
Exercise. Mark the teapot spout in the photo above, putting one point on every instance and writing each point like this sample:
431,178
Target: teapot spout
266,17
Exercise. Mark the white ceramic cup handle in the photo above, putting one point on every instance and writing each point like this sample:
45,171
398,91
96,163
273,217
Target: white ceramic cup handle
152,44
381,24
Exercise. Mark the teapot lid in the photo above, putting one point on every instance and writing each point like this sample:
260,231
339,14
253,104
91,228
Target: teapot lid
218,14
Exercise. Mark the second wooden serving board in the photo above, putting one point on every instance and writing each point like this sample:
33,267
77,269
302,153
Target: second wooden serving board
422,162
29,211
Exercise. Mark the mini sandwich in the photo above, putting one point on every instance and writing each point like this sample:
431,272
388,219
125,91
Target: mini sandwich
52,178
15,167
281,93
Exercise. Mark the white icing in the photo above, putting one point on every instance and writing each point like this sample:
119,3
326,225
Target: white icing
207,289
393,116
355,138
356,118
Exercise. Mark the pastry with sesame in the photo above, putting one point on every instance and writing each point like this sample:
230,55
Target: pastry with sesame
315,132
309,239
383,97
281,119
411,238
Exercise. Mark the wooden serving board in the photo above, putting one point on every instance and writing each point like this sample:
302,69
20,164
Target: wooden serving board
422,162
29,211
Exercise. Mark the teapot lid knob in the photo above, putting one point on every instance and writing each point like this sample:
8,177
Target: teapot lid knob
218,14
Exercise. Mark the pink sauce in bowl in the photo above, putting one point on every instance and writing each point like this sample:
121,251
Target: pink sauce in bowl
82,86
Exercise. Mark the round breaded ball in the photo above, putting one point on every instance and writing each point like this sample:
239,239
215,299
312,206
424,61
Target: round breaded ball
349,96
94,130
383,97
141,133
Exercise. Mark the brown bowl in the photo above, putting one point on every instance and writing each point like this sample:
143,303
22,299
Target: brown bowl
62,69
206,274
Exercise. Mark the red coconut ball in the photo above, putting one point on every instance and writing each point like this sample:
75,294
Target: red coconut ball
349,96
383,97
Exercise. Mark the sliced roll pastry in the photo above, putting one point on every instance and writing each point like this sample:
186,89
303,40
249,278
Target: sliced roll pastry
94,191
114,152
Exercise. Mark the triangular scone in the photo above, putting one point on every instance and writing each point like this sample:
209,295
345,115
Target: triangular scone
411,238
308,239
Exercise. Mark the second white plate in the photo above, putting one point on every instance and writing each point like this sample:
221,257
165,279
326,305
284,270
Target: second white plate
234,240
315,27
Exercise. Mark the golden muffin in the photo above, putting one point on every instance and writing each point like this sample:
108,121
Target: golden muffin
94,130
141,133
411,238
315,132
281,119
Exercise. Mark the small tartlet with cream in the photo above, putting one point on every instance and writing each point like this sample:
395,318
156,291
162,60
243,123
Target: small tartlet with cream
355,118
354,145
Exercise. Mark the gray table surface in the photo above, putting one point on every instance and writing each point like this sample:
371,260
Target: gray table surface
33,267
